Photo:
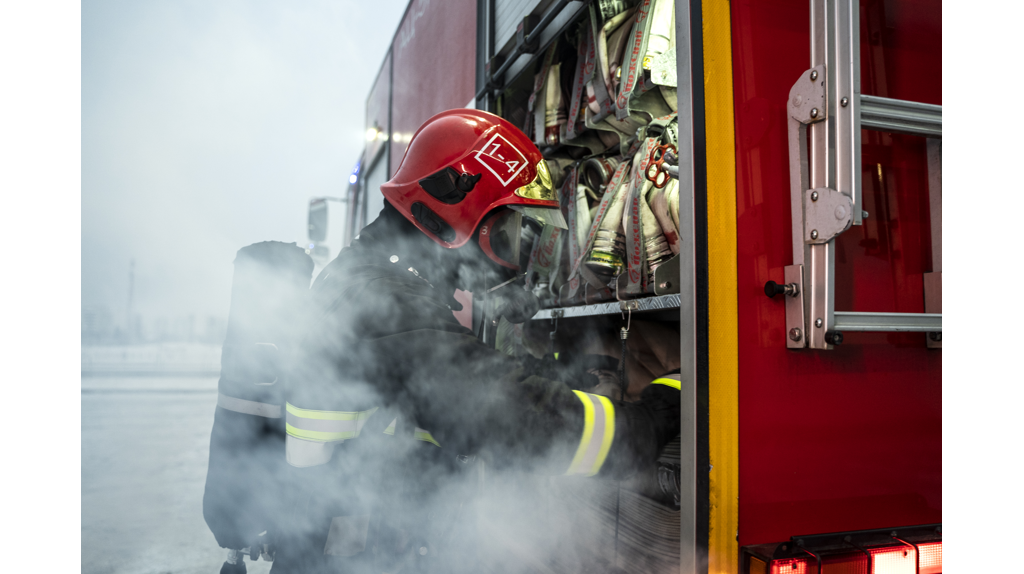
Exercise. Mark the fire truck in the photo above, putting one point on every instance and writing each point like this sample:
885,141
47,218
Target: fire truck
791,154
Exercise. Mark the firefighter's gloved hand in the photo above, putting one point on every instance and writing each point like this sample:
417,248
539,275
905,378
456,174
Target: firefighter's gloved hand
662,402
515,304
646,427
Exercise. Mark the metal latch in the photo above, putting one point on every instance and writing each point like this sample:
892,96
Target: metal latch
827,213
807,103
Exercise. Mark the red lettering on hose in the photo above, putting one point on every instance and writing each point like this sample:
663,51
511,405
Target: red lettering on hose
634,55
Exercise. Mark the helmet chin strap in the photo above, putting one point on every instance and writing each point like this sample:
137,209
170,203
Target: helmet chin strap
500,285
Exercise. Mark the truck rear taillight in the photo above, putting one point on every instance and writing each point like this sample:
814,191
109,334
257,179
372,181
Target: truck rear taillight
931,558
793,566
914,550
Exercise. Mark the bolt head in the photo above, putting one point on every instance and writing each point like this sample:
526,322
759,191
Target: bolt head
814,196
814,112
814,75
818,322
795,334
844,102
814,234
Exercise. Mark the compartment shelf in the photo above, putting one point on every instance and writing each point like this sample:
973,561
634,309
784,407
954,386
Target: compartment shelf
659,303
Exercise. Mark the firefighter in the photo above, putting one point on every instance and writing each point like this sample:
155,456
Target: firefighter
386,373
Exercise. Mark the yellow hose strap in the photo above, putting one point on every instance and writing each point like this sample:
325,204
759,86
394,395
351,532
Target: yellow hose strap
598,433
669,381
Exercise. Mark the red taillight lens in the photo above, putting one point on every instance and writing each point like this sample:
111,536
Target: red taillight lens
931,558
903,559
794,566
894,560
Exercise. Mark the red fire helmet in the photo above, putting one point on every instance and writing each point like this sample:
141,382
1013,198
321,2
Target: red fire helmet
463,164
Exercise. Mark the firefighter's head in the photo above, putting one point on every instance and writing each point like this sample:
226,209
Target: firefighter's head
471,175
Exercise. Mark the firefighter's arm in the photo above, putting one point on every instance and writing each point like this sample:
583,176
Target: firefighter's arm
474,398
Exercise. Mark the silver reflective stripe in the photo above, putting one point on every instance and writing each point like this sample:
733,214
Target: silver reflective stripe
305,453
598,433
324,426
347,536
248,407
391,427
328,426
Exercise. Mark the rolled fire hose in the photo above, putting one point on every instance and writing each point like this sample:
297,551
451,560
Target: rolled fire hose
661,48
616,46
655,243
595,173
605,259
672,193
536,116
597,92
660,206
606,66
660,38
582,215
554,106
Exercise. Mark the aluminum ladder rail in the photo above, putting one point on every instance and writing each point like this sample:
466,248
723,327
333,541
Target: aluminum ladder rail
825,181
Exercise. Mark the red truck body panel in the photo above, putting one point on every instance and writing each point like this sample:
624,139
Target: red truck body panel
434,55
377,108
851,438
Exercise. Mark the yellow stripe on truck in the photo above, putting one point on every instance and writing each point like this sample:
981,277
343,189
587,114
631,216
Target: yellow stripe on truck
723,346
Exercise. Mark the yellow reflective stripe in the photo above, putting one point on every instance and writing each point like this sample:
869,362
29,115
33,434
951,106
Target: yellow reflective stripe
598,434
425,436
319,436
588,432
609,433
674,383
391,427
329,415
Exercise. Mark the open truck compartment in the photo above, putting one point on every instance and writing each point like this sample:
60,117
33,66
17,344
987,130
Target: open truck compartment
753,192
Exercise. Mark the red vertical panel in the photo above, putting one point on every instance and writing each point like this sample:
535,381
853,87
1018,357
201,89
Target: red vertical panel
377,111
851,438
434,55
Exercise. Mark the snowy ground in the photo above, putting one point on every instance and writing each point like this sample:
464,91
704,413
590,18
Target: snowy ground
145,442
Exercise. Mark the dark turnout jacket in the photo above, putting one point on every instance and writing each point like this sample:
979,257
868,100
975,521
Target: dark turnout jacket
388,396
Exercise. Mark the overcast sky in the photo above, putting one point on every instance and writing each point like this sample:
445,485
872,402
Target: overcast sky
207,126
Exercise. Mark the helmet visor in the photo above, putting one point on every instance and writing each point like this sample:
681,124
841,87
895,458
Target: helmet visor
544,215
499,237
541,186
